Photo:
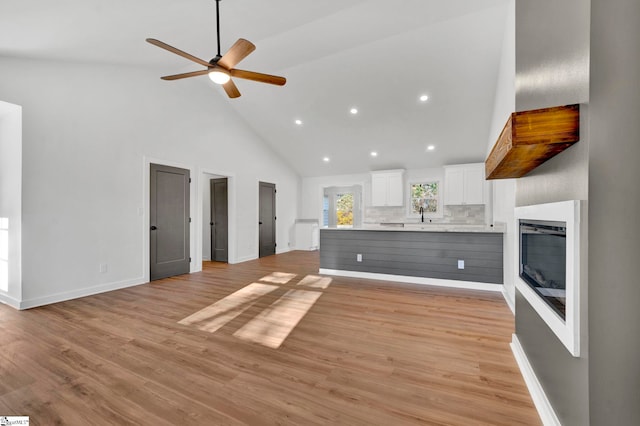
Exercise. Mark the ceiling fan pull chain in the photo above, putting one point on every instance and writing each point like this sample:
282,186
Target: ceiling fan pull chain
218,24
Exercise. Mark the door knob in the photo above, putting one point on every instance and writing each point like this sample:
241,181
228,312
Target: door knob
153,227
259,223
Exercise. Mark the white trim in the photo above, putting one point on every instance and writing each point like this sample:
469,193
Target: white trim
8,300
470,285
246,258
567,330
231,214
257,222
507,298
540,400
83,292
346,187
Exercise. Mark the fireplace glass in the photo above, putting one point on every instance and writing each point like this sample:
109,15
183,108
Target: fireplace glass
543,250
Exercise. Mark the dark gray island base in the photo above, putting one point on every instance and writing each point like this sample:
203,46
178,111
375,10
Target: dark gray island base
423,257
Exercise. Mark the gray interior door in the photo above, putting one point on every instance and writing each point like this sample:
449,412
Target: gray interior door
169,217
219,220
267,221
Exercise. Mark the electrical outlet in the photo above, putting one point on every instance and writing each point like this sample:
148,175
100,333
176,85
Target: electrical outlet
103,268
460,264
358,257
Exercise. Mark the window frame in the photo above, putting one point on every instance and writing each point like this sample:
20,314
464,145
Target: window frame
358,205
439,213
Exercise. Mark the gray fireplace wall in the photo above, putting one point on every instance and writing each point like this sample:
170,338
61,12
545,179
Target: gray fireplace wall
614,209
580,51
552,69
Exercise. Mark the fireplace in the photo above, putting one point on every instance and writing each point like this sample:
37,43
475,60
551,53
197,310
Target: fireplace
543,257
550,263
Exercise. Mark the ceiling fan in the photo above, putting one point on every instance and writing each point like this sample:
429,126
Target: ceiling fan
221,68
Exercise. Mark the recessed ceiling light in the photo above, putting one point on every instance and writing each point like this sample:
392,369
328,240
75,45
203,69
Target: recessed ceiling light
431,147
326,159
299,122
353,110
374,154
424,98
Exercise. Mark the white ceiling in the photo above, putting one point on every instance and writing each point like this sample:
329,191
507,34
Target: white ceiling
376,55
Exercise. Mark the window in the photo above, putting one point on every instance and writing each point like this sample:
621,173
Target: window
344,210
341,206
425,195
325,210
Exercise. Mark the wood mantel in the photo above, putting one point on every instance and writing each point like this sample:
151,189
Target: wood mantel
530,138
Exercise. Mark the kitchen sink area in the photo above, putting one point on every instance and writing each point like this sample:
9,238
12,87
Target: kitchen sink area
433,227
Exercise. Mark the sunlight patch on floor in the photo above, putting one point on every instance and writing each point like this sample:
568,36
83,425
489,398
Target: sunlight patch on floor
215,316
278,277
272,326
314,281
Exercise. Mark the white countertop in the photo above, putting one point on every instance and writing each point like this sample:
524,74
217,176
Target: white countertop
427,227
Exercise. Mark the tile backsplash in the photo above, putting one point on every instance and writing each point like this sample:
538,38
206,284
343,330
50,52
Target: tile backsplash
467,214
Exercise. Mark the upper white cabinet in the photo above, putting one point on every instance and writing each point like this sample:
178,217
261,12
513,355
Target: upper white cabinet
464,184
387,188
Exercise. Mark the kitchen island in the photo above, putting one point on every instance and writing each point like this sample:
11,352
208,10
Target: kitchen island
467,256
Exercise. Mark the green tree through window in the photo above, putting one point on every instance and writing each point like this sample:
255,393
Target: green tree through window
424,195
344,209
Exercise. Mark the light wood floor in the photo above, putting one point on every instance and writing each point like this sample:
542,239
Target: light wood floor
366,353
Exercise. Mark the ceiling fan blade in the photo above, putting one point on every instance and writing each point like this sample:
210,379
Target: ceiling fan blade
185,75
172,49
256,76
240,50
231,89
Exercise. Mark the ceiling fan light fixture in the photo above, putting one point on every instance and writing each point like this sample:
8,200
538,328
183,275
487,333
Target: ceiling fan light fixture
219,76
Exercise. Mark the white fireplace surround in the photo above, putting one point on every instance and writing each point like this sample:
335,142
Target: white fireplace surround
567,330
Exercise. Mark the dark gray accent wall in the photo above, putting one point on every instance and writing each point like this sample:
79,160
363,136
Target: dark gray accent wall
614,213
418,254
552,68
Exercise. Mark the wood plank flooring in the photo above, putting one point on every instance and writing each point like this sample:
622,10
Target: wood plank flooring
366,353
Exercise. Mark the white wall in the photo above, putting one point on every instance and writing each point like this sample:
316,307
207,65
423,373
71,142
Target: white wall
206,219
88,130
504,190
312,192
10,203
312,188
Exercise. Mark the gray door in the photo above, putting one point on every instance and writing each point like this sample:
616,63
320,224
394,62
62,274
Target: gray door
267,221
169,216
219,221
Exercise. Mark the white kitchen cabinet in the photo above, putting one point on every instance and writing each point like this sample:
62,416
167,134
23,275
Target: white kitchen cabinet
387,188
464,184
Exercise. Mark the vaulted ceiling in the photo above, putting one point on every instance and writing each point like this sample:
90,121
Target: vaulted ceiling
377,56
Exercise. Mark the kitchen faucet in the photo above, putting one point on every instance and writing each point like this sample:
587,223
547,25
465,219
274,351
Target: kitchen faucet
422,214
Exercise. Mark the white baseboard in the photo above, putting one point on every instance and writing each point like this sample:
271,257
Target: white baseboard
540,400
507,298
8,300
244,259
470,285
285,250
83,292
